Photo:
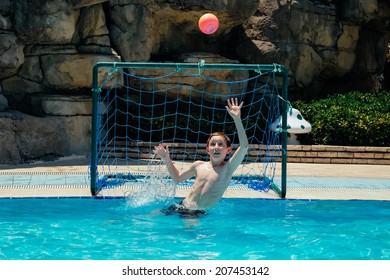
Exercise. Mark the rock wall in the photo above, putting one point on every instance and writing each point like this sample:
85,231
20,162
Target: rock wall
48,49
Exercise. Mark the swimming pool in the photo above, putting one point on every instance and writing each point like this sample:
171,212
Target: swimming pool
236,229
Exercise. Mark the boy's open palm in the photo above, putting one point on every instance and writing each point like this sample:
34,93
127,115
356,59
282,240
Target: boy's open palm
161,151
234,108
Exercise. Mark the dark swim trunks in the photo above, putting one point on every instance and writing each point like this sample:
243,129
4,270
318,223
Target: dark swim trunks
182,211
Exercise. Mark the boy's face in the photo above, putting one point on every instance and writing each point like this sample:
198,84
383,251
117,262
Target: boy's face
217,147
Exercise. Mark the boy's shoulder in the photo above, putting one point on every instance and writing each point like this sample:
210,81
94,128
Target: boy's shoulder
198,162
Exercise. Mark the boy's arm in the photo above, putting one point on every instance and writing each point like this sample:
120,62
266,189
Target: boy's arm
177,177
235,112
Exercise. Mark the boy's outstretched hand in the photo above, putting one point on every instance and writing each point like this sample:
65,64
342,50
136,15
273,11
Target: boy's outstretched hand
161,152
233,108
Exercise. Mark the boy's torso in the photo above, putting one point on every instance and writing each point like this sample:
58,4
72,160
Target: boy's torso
209,186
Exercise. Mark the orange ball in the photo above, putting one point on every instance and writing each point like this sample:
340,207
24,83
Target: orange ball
208,23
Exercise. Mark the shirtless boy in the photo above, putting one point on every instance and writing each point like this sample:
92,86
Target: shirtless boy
212,177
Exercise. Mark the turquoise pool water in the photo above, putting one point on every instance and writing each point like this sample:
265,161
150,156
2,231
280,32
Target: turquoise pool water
237,229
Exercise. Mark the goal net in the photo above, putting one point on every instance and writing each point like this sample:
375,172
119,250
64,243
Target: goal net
136,106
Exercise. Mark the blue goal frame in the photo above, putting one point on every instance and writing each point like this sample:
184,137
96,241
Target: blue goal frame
201,66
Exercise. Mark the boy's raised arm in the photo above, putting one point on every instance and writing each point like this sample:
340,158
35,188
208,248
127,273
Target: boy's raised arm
234,110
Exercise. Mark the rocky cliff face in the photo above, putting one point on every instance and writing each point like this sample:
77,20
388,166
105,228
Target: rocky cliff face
48,49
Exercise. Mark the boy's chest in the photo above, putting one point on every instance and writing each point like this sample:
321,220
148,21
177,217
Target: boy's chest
211,174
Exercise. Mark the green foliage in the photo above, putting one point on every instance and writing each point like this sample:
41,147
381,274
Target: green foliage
352,119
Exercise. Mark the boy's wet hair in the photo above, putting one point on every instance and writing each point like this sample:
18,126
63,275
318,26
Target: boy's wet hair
223,135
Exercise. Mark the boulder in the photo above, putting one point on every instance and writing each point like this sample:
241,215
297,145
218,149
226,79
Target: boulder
45,22
69,72
93,35
11,55
3,103
9,153
27,137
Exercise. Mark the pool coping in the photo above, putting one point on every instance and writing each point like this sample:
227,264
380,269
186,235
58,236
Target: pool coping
323,175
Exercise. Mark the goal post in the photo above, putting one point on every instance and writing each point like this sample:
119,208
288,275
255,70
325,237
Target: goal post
137,105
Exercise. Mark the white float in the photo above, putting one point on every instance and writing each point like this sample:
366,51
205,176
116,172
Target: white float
296,124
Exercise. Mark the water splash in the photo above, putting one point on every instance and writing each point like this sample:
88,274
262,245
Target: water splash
157,189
